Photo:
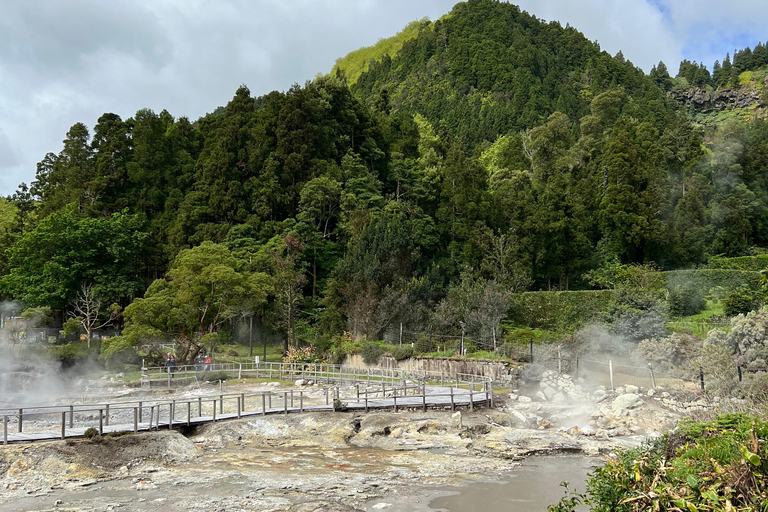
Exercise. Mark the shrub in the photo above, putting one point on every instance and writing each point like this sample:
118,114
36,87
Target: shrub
372,352
561,311
741,300
214,376
300,355
401,353
663,351
685,300
720,465
90,433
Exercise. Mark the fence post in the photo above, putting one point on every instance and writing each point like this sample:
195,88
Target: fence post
238,407
135,419
63,424
151,416
101,421
453,405
610,371
71,416
701,377
285,403
189,413
301,401
21,417
106,415
263,404
5,429
394,398
653,377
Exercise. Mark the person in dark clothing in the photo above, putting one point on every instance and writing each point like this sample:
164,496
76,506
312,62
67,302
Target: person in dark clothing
171,364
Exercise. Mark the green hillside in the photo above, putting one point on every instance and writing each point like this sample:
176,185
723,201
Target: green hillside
357,62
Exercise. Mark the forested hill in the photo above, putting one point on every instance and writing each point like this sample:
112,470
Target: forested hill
493,153
488,69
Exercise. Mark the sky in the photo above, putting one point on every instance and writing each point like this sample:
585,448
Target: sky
68,62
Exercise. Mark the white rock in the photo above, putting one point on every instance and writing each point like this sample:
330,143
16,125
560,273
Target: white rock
626,401
650,392
520,417
524,399
299,383
541,396
456,419
512,397
629,388
559,398
550,392
381,506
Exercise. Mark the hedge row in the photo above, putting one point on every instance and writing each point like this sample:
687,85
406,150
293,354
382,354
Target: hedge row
560,311
706,279
751,263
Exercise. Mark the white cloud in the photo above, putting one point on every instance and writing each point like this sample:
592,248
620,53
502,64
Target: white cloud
68,62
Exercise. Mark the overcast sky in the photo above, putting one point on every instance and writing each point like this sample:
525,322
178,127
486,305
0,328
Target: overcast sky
63,62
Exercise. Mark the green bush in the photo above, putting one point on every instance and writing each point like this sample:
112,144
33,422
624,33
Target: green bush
401,353
720,465
214,376
559,311
686,300
741,300
90,433
372,352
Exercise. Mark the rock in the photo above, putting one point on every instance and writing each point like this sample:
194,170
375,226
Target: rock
512,397
599,394
549,392
520,418
629,388
650,392
456,419
544,424
559,398
626,401
541,396
300,383
524,399
120,375
381,506
274,384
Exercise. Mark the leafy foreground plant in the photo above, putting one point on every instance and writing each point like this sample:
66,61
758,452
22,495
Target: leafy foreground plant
717,466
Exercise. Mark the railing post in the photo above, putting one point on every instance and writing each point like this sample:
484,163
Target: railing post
101,421
71,416
221,404
151,416
214,411
140,412
285,402
135,419
63,424
238,407
199,407
292,397
189,413
366,403
21,418
471,398
301,401
453,404
5,429
106,415
242,401
171,413
394,399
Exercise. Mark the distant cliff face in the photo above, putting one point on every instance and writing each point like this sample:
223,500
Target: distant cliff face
704,100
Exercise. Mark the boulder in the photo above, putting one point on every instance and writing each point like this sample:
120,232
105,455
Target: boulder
626,401
629,388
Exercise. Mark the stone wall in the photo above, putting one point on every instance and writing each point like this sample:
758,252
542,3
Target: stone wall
500,371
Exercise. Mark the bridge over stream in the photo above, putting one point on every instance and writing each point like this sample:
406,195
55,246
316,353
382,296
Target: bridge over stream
332,388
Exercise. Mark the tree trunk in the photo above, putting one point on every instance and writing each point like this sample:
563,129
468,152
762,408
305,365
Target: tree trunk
250,337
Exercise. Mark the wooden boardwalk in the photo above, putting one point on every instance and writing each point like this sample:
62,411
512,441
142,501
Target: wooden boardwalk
387,389
431,397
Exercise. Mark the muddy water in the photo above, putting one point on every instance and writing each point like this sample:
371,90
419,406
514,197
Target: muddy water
529,488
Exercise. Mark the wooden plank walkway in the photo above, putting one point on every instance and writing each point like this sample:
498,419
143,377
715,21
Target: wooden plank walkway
434,396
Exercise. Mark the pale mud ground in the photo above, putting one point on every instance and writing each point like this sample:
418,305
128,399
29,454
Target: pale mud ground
308,462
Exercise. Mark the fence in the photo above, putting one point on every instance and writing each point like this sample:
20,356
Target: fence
374,388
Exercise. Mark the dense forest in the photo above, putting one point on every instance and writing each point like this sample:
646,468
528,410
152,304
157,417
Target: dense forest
491,153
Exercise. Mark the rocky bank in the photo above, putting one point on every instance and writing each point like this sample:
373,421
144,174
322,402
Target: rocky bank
323,461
